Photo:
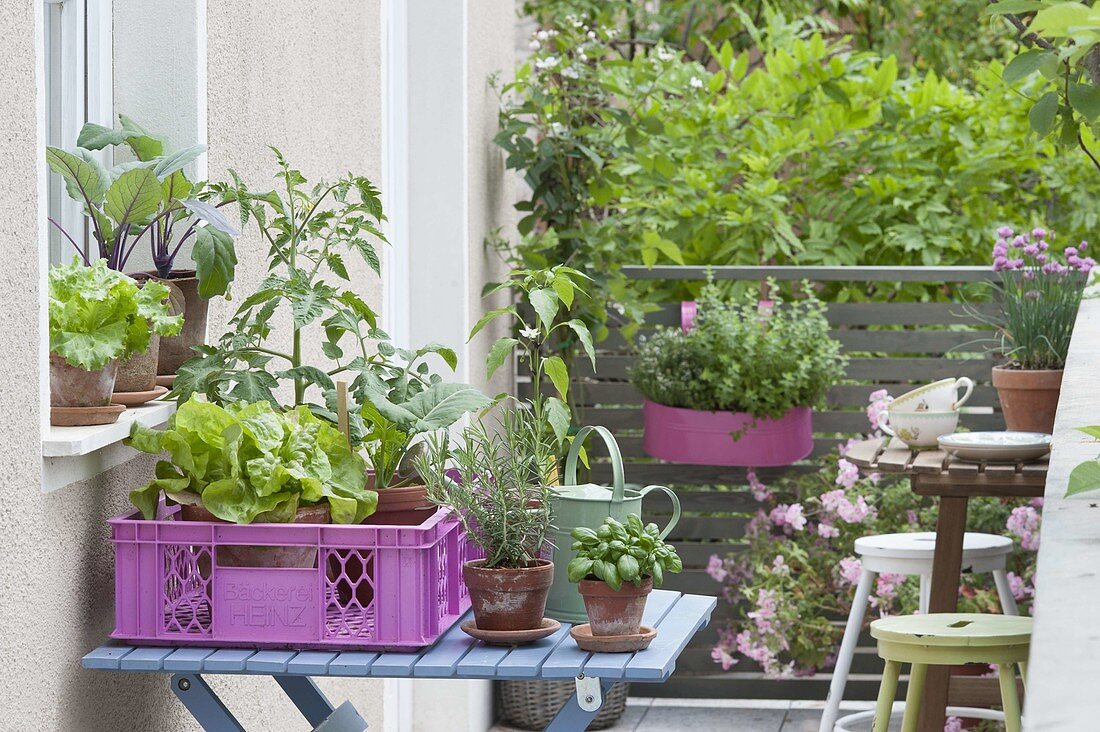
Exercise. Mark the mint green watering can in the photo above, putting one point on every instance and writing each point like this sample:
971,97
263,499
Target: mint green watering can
588,505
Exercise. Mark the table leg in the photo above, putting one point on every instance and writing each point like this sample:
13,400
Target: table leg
306,696
571,718
943,598
204,705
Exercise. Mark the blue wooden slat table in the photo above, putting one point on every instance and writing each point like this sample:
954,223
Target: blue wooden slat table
676,617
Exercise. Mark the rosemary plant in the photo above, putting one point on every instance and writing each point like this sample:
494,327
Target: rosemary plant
495,478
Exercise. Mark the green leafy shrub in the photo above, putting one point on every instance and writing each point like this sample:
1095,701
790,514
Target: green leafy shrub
787,145
739,359
616,553
98,314
252,463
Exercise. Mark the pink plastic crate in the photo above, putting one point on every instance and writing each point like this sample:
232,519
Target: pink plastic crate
370,587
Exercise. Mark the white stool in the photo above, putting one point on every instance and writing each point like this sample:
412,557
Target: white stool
909,554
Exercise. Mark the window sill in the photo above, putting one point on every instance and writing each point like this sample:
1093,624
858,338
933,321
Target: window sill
72,454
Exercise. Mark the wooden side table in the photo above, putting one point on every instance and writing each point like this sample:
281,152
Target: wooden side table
935,473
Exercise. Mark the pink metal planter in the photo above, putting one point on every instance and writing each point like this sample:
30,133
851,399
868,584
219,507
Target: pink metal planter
372,586
706,438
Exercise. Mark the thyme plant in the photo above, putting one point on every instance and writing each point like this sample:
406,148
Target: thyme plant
738,358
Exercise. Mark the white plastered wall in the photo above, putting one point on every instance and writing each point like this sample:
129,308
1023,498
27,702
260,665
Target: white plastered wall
307,79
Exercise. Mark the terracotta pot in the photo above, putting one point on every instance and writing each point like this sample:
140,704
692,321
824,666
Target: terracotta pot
264,556
508,599
139,372
404,506
1029,399
71,386
614,612
174,350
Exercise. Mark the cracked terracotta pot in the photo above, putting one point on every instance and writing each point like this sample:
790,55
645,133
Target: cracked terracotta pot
72,386
506,598
614,612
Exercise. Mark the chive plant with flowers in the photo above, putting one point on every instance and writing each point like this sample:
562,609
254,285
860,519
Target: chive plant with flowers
1039,292
797,571
1040,296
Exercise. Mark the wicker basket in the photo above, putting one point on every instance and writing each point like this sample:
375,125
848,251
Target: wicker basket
532,704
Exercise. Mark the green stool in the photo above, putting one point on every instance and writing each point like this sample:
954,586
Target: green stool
948,639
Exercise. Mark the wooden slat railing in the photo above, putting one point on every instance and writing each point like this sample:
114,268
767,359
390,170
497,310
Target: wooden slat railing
892,345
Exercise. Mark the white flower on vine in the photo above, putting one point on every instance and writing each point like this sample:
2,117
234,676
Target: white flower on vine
530,333
665,54
696,82
534,45
556,129
546,63
542,35
570,73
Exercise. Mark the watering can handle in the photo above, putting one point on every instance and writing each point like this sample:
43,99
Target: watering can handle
675,506
616,460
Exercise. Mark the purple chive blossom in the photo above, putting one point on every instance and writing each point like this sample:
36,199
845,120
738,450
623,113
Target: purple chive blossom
1040,257
1038,232
1082,246
1029,274
1086,264
1004,232
1071,251
1031,250
1019,242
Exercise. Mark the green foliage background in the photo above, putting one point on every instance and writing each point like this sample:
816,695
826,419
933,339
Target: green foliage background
835,133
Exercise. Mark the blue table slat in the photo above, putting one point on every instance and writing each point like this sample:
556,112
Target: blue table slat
352,663
613,665
526,661
395,665
311,663
227,660
145,659
676,617
658,661
440,660
269,661
187,659
482,661
106,658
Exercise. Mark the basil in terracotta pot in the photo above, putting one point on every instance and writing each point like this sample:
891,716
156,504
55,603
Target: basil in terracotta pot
616,567
495,479
1040,293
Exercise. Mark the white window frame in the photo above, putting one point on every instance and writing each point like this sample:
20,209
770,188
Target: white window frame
79,88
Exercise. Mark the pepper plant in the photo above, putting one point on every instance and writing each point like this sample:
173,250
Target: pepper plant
541,335
149,198
617,553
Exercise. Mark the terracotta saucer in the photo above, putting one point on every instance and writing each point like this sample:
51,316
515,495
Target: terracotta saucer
511,637
137,398
167,380
84,416
612,643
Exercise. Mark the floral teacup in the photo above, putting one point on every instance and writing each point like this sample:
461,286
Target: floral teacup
939,396
920,430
